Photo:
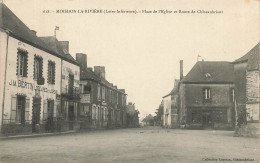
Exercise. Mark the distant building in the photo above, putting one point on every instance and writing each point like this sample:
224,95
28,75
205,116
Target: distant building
170,107
207,96
102,104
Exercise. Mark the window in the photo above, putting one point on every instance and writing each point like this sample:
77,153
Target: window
20,116
93,113
20,109
98,93
22,60
206,94
37,67
111,95
232,95
51,72
48,111
71,85
220,116
86,89
103,94
116,98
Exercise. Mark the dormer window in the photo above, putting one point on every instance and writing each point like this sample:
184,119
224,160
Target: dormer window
207,75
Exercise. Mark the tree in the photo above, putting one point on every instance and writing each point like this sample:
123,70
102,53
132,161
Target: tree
148,120
158,116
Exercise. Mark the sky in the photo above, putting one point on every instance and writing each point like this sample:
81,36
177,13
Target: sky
141,52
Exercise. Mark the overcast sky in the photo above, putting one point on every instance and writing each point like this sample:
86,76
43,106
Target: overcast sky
141,52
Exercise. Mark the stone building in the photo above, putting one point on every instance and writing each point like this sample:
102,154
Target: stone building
31,73
102,104
247,84
207,96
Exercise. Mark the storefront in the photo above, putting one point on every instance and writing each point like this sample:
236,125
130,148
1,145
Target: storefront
207,118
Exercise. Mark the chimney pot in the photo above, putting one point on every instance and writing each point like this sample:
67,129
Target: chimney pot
34,32
100,71
82,60
181,69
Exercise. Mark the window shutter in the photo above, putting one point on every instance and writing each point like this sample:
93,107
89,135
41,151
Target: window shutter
40,67
13,107
49,72
27,108
93,112
54,68
54,109
75,111
17,63
25,67
45,113
209,93
203,93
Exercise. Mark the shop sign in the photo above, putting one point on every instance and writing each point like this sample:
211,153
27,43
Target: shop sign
85,98
31,86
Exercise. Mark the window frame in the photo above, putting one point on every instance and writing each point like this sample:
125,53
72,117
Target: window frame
38,73
206,94
51,72
103,94
20,109
22,63
98,92
232,95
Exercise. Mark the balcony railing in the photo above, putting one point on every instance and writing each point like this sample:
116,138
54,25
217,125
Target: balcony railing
71,91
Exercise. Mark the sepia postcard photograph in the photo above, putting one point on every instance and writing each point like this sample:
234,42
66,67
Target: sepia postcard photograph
133,81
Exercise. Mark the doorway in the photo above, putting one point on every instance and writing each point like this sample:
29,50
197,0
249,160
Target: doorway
36,114
207,120
71,117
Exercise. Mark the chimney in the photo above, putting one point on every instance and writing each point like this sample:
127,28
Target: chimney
34,32
90,68
181,69
122,90
65,45
100,71
82,60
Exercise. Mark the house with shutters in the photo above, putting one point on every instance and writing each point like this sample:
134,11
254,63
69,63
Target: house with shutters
68,100
102,104
207,96
31,78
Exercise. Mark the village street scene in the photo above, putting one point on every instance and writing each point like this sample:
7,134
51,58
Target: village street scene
111,91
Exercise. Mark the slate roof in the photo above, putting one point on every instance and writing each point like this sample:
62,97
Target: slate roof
175,89
90,75
252,57
17,29
55,46
210,72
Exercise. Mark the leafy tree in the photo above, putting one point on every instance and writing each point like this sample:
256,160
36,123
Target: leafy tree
148,120
158,116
